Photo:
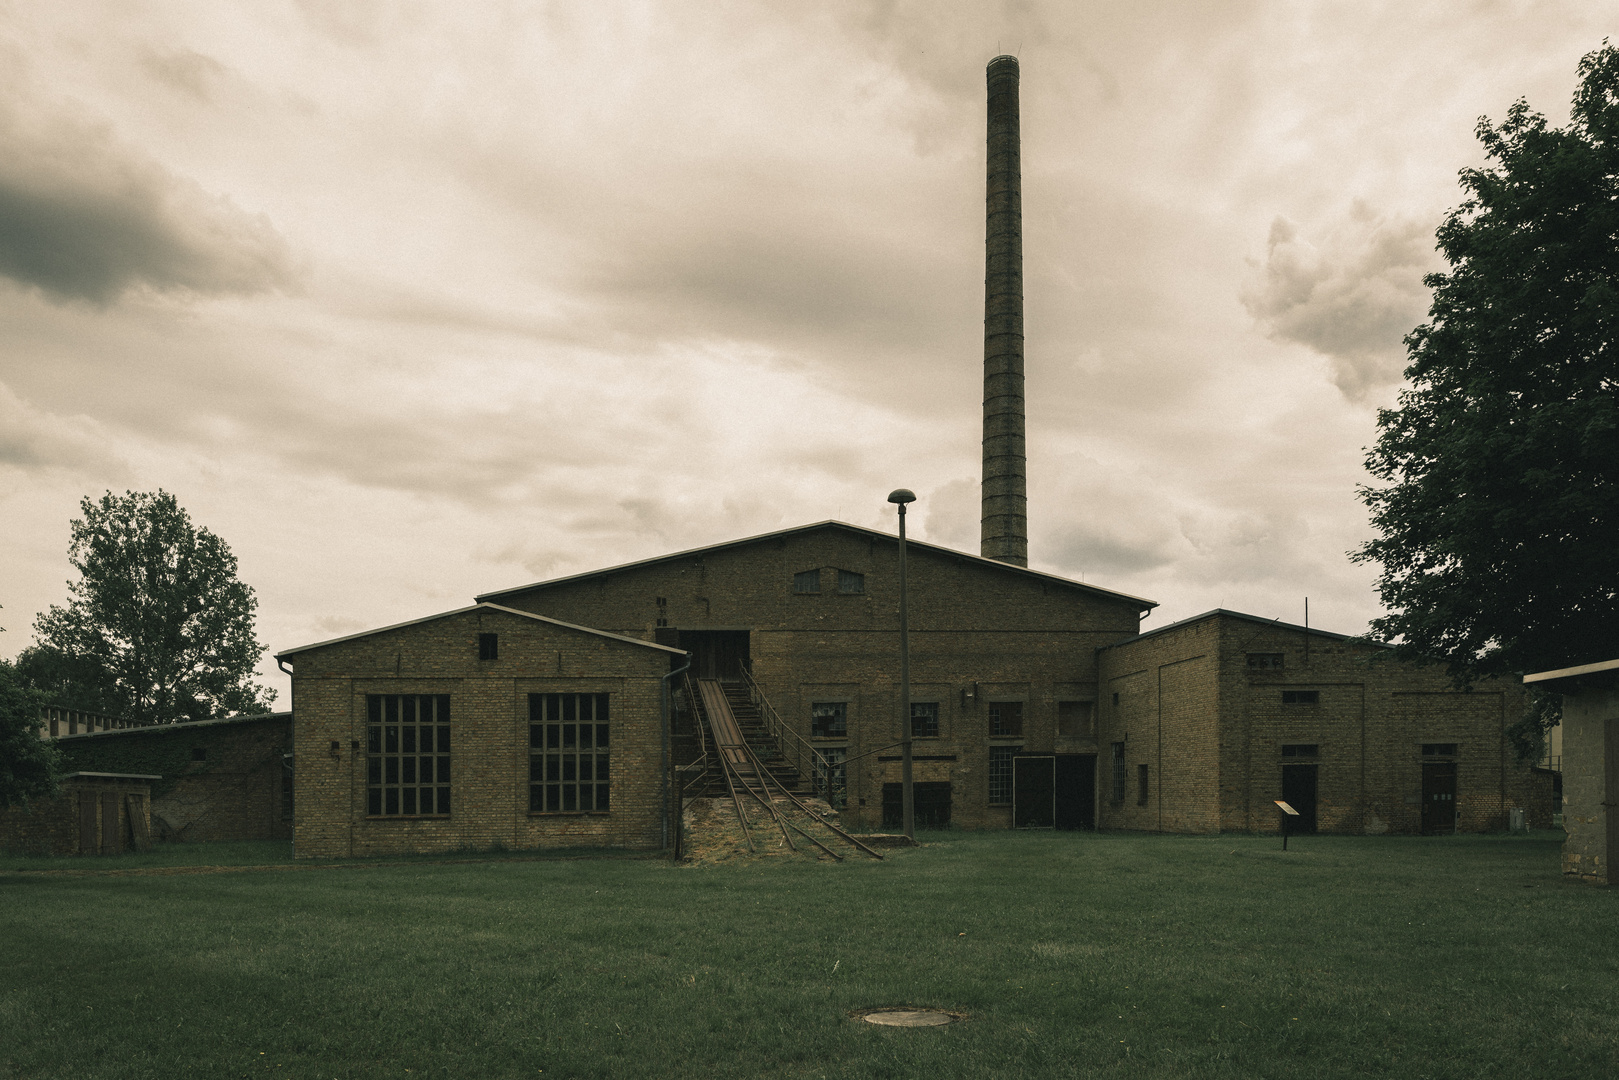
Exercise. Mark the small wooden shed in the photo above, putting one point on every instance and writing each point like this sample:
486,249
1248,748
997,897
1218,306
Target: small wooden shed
94,813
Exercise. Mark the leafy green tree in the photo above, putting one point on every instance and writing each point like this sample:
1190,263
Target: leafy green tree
1498,532
157,628
28,764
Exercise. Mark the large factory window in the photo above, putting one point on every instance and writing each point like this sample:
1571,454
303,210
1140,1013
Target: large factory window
850,583
829,719
807,583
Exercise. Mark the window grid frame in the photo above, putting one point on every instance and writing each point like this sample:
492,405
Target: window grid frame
928,721
558,757
1000,774
839,730
399,768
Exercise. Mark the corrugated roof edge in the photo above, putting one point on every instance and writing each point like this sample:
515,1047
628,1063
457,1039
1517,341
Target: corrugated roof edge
858,529
178,725
474,607
1598,668
1277,623
114,775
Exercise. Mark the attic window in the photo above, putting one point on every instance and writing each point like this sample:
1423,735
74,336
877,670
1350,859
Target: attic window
850,582
807,582
488,646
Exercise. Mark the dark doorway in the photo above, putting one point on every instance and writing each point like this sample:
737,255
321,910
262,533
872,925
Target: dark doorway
1298,791
932,801
1438,797
716,654
1034,789
1075,796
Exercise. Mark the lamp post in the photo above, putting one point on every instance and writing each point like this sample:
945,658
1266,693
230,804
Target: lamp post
907,794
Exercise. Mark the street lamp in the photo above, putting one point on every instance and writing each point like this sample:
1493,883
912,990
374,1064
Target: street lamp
907,794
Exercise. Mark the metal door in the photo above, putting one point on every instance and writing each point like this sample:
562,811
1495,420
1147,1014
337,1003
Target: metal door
1034,788
1438,797
1298,791
1075,797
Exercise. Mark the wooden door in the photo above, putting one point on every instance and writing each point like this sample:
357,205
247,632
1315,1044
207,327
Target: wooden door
89,843
1438,797
112,837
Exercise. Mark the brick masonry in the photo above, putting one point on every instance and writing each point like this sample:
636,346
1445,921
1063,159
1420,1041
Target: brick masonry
1210,730
489,710
219,779
980,632
90,815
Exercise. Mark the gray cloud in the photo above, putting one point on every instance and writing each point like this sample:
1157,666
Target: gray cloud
1352,299
85,218
31,438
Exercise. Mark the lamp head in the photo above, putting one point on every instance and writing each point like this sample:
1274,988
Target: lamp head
902,496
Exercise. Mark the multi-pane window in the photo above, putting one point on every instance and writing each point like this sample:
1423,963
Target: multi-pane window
829,719
850,582
1118,774
1301,697
1265,661
832,775
1439,749
1005,719
407,755
488,646
567,754
924,719
807,582
1000,773
1142,787
1301,750
1076,719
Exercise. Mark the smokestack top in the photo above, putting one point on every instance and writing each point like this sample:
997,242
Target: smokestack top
1004,58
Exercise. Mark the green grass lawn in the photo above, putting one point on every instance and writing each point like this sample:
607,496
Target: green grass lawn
1072,954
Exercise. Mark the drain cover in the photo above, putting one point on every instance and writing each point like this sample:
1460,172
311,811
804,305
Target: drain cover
909,1017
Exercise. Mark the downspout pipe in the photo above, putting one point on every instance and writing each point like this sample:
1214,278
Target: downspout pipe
668,775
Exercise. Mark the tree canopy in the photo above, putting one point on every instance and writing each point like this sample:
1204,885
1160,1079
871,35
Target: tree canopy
1498,532
28,764
157,628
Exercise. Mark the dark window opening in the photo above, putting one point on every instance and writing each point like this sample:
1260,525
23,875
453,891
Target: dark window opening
1115,700
1141,785
199,753
286,787
829,719
807,582
568,762
1000,774
407,755
663,601
1265,661
1439,749
832,776
663,622
1301,750
1118,774
1076,719
1006,721
488,646
924,719
1301,697
851,583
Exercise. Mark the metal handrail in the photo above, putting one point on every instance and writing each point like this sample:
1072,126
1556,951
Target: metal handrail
779,730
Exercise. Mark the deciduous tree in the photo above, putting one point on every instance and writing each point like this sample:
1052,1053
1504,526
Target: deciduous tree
1498,530
28,764
157,628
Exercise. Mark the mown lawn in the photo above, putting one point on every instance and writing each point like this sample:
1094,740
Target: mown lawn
1073,955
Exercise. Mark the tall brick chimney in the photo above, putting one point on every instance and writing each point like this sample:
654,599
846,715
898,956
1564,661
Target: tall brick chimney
1003,521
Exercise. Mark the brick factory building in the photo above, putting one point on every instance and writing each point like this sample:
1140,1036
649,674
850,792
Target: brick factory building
479,728
1209,720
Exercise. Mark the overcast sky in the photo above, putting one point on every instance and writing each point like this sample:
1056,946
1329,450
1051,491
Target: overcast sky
409,301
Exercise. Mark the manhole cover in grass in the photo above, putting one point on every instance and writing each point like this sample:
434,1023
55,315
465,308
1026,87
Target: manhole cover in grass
908,1017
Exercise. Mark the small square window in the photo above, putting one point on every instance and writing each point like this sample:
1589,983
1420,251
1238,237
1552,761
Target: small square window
1076,719
851,583
924,719
807,582
1005,719
1301,697
488,646
1265,661
829,719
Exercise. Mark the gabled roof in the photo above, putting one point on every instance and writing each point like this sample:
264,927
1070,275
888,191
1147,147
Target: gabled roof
1276,624
857,530
486,606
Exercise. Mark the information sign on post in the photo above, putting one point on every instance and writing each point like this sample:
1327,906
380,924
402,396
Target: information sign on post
1288,814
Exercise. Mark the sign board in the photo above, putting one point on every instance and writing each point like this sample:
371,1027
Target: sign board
1286,809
